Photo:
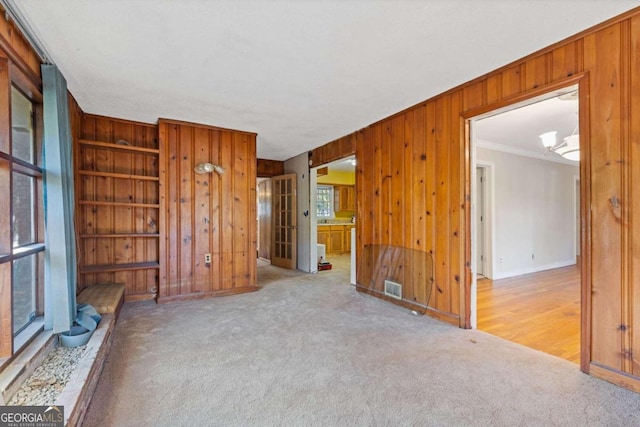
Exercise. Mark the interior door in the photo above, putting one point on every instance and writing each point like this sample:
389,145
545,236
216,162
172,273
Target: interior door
480,227
264,219
284,236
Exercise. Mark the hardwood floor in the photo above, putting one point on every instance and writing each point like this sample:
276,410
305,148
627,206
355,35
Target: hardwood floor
539,310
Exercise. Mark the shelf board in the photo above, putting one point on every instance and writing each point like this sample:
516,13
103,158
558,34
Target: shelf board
112,146
111,235
125,204
106,268
119,175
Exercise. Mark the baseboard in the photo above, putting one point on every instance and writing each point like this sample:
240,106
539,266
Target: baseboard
139,297
430,311
198,295
520,272
615,376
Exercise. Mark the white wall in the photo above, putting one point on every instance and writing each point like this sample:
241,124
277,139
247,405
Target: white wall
307,241
534,216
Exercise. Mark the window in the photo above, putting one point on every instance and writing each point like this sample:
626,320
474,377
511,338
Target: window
325,201
22,247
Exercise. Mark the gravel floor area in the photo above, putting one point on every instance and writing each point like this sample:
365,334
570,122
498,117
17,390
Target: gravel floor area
49,379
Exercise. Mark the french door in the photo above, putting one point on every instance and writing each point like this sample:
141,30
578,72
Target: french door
285,229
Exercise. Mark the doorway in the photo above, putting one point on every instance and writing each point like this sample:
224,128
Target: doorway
264,219
526,279
284,238
334,212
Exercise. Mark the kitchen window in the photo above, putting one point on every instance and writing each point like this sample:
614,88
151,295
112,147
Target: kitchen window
325,201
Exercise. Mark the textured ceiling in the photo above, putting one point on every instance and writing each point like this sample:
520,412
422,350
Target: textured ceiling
299,73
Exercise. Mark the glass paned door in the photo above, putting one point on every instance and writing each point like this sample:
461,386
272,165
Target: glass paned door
284,241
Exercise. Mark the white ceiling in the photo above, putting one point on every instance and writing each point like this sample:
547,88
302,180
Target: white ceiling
518,130
299,73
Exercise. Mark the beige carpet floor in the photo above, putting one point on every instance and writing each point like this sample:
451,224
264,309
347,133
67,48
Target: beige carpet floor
308,350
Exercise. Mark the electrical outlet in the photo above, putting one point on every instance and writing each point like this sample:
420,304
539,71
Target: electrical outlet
207,258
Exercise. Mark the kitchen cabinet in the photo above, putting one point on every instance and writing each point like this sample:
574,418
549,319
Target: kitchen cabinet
344,197
323,236
335,237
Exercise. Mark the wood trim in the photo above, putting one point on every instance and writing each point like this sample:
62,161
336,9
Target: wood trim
6,320
585,226
112,146
119,120
269,168
199,295
118,175
124,204
112,235
626,191
105,268
431,311
614,376
467,280
20,63
525,95
139,297
26,85
204,126
582,81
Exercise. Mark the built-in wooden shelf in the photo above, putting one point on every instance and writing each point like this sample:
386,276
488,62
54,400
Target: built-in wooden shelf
126,204
119,175
105,268
93,236
112,146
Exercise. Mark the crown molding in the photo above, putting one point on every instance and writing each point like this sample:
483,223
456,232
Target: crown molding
548,156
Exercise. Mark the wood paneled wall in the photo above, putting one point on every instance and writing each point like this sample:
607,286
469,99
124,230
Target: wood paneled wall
207,213
117,236
268,168
413,183
334,150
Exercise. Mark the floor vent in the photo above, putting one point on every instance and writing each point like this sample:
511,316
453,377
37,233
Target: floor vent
393,289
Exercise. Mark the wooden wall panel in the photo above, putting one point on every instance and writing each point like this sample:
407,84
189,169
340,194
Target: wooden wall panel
268,168
633,181
334,150
207,214
605,182
429,163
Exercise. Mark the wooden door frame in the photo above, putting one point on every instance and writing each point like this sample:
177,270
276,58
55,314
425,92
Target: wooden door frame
580,80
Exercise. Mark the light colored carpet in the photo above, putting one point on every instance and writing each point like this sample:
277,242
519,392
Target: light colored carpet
308,350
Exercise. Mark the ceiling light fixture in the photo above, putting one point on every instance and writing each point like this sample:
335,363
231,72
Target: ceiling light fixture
569,148
202,168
